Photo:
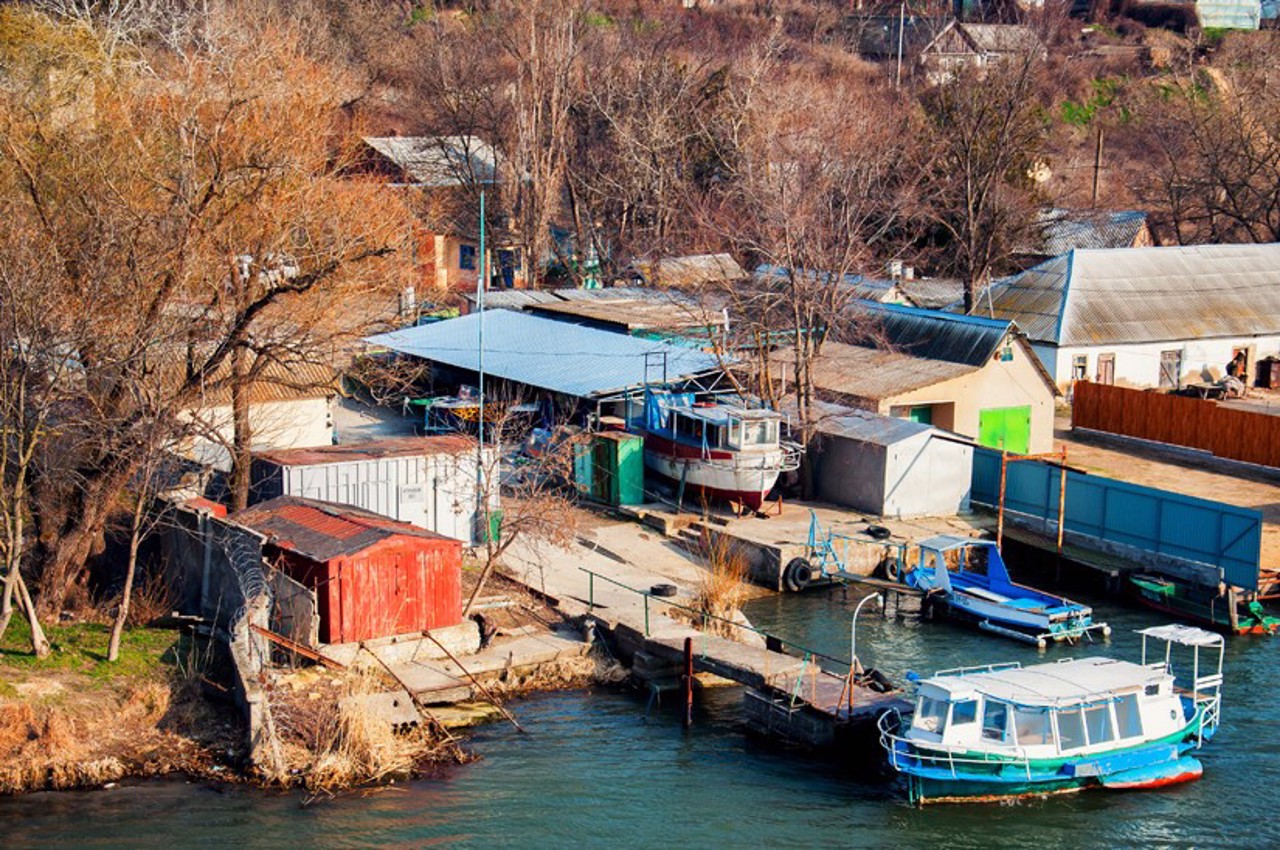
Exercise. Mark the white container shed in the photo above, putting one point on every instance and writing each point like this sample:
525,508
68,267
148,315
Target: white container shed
427,481
890,467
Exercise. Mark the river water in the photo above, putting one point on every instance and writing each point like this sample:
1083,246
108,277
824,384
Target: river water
597,769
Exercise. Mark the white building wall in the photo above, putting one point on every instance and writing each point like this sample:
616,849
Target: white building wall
436,492
295,424
1138,365
927,476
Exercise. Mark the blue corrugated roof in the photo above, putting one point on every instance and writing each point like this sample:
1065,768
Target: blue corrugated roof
953,337
559,356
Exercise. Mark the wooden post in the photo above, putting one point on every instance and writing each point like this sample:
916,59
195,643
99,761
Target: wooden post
688,682
1233,613
1004,470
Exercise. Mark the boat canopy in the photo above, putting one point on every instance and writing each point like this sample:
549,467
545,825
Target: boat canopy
1184,635
1066,682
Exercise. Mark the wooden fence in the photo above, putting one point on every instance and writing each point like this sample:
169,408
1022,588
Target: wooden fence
1180,421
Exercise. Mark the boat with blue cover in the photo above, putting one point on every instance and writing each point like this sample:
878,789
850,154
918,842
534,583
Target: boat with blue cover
969,579
1005,731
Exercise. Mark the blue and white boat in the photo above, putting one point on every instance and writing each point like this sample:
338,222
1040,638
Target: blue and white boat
969,579
1005,731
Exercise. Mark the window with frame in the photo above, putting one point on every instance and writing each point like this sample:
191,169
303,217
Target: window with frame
964,712
995,721
931,715
467,257
1128,717
1071,729
1032,726
1097,723
1080,367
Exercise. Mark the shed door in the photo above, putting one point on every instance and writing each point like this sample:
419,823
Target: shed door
1007,428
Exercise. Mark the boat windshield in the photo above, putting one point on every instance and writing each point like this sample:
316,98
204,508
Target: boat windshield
931,715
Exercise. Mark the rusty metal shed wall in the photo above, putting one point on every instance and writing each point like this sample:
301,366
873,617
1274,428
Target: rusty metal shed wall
1135,295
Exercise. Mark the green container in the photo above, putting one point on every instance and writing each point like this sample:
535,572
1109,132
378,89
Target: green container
495,527
618,474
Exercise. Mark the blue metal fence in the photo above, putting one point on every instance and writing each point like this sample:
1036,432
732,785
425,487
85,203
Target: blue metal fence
1153,520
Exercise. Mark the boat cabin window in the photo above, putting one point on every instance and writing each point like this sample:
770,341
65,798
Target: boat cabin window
689,428
964,713
931,715
733,433
1071,729
995,721
762,433
1033,726
1097,722
1128,718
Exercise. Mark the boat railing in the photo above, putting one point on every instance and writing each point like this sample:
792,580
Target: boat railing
791,455
942,755
981,668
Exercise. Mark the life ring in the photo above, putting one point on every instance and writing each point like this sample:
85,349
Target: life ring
797,575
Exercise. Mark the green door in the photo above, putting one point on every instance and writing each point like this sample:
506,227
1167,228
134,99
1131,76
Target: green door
922,413
1007,428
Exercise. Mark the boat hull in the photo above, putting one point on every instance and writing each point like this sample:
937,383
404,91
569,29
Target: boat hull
933,791
970,609
1170,597
732,476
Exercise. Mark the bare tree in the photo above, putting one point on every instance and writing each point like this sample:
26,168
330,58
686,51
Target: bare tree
1215,131
985,137
192,159
817,196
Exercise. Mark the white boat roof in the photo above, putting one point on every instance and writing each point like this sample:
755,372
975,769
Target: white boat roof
1070,681
1185,635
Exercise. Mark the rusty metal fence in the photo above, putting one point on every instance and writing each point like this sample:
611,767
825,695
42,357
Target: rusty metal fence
1177,420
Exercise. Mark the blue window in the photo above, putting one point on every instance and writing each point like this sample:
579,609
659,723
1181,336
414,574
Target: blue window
467,257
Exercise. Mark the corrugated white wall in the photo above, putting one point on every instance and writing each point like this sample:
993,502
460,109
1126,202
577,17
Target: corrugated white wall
435,492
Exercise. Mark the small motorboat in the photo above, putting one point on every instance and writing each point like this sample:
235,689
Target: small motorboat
1207,606
721,451
1004,731
969,580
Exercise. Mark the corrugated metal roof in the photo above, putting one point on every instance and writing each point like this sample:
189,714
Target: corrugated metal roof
559,356
933,293
872,374
860,286
439,161
866,427
275,381
513,299
955,338
1065,230
1134,295
322,531
691,270
451,444
633,315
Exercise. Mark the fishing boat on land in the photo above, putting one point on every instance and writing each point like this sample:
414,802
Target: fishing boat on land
980,734
969,579
721,451
1207,606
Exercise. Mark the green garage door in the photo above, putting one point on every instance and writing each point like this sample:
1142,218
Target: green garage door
1007,428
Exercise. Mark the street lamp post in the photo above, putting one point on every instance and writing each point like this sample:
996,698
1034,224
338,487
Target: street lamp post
853,631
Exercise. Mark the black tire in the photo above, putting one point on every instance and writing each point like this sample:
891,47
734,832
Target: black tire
891,570
664,590
878,532
797,575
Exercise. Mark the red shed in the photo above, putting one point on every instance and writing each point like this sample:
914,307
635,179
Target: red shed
373,576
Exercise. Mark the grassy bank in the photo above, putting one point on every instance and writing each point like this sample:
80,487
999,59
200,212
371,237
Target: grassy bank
74,719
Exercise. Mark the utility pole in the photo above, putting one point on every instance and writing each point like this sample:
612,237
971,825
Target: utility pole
902,20
1097,165
482,503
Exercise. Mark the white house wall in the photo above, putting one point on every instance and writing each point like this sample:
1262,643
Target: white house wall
1138,365
295,424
